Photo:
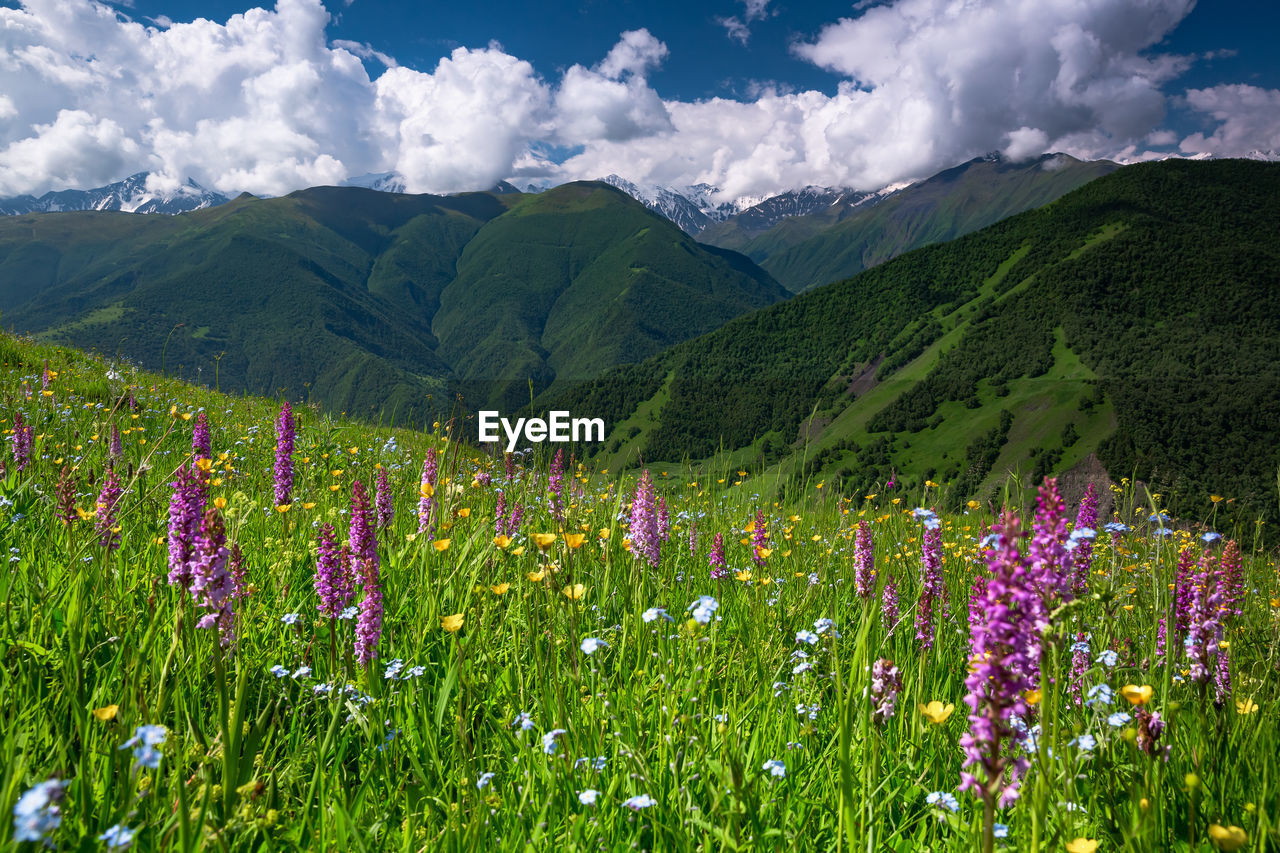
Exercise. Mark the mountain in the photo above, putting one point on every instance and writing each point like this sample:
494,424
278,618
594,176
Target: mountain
1132,322
373,301
385,182
130,195
859,232
692,209
578,277
806,211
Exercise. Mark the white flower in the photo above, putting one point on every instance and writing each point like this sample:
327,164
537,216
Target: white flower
943,799
654,613
588,797
591,645
806,637
640,801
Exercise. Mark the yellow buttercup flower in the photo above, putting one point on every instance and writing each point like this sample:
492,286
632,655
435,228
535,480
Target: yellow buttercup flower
744,575
1082,845
574,540
517,551
544,540
426,490
1246,706
441,545
1228,837
573,592
502,541
937,713
1032,697
1137,695
536,577
452,624
465,512
106,713
500,589
763,552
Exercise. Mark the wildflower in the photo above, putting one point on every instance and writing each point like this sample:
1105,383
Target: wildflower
1228,837
719,568
1246,706
1204,631
116,448
1004,645
645,541
943,800
886,682
1082,558
284,456
932,588
1107,658
591,645
1000,830
1082,845
453,623
928,517
704,609
1150,727
806,637
66,492
1079,664
1085,742
823,624
186,507
211,586
426,492
555,486
935,712
1137,695
638,802
201,443
105,524
550,740
654,613
524,720
37,814
301,672
382,500
333,577
1118,719
1232,580
864,568
759,540
775,768
22,439
588,797
664,519
484,780
290,618
364,564
145,743
118,837
278,671
889,602
693,538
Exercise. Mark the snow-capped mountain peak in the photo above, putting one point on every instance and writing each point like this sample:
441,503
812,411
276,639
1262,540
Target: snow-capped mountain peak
140,193
386,182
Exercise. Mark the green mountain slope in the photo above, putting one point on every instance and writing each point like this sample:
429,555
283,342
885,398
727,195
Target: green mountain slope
845,239
374,302
1134,319
579,277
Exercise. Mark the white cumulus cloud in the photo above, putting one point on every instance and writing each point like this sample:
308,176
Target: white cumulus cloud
265,102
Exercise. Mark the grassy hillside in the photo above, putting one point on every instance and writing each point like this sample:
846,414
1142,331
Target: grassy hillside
1132,320
840,241
375,303
580,277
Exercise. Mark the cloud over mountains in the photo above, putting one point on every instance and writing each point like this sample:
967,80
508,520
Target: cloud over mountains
265,102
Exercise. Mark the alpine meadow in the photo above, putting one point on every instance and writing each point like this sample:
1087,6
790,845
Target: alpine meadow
722,426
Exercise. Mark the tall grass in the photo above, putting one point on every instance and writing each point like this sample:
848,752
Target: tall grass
723,734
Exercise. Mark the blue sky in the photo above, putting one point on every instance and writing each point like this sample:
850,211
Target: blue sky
754,96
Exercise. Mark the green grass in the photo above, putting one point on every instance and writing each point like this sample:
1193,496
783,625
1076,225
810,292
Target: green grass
96,642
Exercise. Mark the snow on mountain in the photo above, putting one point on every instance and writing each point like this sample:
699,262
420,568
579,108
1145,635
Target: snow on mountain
385,182
768,213
132,195
682,209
